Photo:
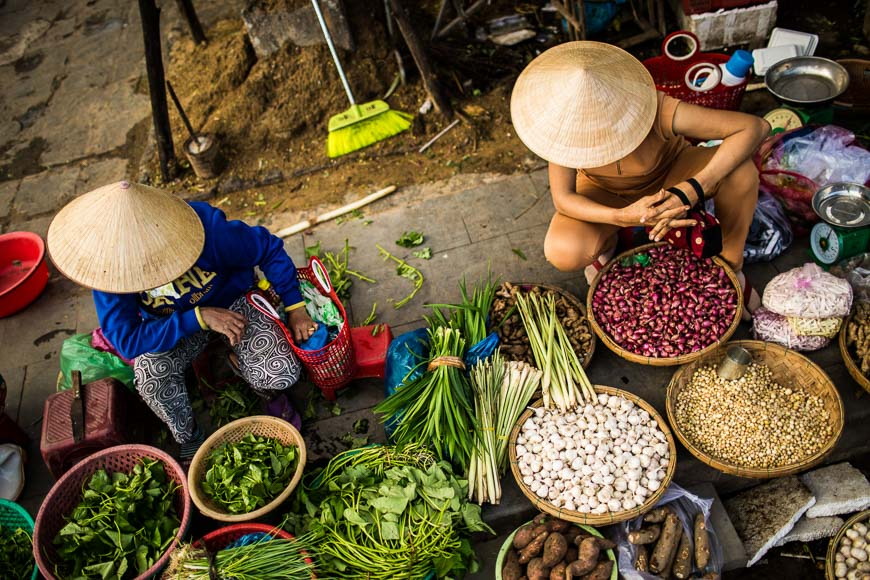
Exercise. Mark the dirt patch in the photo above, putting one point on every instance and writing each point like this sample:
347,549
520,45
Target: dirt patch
271,117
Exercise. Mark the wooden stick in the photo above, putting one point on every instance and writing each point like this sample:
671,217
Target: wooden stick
189,12
150,16
181,112
438,136
305,224
462,17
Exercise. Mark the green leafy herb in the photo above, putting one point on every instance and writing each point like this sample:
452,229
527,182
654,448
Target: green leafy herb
423,253
361,426
310,412
335,409
405,270
313,251
337,268
410,239
232,402
124,523
16,553
354,442
372,315
519,253
246,475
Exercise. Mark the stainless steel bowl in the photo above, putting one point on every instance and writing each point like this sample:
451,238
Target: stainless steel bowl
807,80
843,204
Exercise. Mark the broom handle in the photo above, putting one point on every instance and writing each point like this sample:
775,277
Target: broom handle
332,51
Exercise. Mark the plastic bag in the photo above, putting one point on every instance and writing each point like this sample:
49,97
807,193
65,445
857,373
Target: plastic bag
770,233
686,505
404,356
772,327
856,271
77,354
320,308
482,350
808,292
826,155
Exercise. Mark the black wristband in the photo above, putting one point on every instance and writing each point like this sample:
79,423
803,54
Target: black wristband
682,196
698,189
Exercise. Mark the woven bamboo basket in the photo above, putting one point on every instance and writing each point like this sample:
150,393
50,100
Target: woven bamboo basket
261,425
835,542
576,303
596,519
658,361
851,366
788,368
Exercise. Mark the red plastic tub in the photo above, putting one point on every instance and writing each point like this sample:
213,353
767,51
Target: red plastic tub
23,270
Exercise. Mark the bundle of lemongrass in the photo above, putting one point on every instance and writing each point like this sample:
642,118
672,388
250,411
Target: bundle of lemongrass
501,393
267,559
564,383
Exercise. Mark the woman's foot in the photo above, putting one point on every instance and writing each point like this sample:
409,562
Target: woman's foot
592,269
751,299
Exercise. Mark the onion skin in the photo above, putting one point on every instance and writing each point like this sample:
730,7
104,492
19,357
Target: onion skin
676,305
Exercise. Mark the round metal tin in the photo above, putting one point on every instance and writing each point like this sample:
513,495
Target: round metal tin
846,205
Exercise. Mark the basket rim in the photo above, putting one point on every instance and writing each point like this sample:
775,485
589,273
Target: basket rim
610,517
19,510
578,302
749,472
499,559
86,466
833,542
198,467
853,369
657,361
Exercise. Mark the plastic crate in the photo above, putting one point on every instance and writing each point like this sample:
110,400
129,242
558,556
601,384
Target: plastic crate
371,350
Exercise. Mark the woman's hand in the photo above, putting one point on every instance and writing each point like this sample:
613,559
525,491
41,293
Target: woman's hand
650,209
230,324
669,213
301,325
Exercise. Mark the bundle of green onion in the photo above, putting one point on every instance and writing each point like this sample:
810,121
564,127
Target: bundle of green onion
267,559
564,383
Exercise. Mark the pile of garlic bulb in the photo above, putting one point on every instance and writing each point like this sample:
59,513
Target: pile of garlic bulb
605,456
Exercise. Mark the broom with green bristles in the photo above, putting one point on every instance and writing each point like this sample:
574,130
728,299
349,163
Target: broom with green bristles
361,125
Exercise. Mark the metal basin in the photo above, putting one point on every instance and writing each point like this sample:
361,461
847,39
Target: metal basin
843,204
806,80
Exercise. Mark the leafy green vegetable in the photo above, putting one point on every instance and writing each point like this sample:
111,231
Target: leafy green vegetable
335,409
423,253
385,512
16,553
265,559
246,475
519,253
232,402
410,239
122,526
337,268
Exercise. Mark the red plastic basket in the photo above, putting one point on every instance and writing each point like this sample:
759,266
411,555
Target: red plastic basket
333,366
67,494
669,74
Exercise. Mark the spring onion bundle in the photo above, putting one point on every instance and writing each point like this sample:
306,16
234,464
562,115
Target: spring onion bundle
519,386
564,383
267,559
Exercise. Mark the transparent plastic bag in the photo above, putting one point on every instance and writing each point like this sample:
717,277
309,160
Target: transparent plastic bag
856,271
686,505
772,327
770,233
808,292
826,155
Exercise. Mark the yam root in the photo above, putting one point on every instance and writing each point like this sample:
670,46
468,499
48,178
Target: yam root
683,559
580,537
524,536
702,542
605,544
557,572
644,535
586,558
571,533
657,515
601,571
666,547
511,569
641,561
554,549
571,554
534,548
537,571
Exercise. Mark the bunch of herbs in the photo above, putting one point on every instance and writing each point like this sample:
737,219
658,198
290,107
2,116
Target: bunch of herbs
16,553
268,558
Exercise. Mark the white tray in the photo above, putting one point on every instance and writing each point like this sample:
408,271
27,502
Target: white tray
805,41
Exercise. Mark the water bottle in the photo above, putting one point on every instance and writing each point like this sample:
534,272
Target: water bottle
737,68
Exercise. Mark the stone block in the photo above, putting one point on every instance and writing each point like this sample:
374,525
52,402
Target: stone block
733,552
764,514
98,173
46,191
505,206
270,29
810,529
839,489
7,194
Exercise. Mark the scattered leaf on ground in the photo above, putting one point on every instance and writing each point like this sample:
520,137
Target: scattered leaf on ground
372,315
335,409
519,253
410,239
423,253
361,426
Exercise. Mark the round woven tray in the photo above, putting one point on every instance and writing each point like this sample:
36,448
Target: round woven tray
12,517
261,425
835,541
596,519
575,302
66,494
851,366
656,361
788,368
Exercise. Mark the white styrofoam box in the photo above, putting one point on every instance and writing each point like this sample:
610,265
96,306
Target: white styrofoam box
726,28
767,57
806,42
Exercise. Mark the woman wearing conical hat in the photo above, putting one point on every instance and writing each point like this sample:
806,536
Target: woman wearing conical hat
615,145
166,275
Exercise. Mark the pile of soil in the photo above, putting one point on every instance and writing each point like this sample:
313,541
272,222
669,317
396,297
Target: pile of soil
271,118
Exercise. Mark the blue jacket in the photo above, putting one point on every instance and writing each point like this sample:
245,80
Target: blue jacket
139,323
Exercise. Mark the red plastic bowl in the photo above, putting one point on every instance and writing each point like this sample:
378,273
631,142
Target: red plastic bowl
23,270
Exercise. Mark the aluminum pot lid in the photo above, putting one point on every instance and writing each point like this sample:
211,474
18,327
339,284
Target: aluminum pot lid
845,205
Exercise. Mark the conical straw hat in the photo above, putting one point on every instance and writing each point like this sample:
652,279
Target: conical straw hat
583,104
125,238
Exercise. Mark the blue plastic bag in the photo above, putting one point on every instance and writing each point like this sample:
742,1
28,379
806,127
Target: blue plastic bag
317,340
404,356
482,350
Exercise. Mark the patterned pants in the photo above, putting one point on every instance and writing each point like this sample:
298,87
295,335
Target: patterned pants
266,361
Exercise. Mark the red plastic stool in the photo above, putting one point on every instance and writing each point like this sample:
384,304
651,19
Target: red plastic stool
105,424
370,351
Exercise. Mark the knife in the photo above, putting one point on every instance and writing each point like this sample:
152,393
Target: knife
77,411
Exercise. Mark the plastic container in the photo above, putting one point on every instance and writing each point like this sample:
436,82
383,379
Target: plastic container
23,270
735,71
14,516
805,41
370,350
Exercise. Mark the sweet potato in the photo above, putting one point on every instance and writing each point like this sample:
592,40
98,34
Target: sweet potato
534,548
541,518
557,525
580,537
601,571
666,547
526,534
710,576
646,535
657,515
557,572
605,544
641,561
554,549
571,533
683,559
537,571
586,559
571,554
702,542
511,569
